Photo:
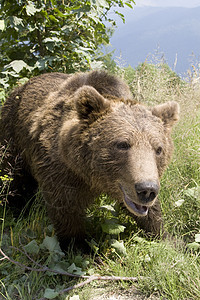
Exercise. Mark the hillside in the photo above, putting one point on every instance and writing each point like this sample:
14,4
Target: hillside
175,31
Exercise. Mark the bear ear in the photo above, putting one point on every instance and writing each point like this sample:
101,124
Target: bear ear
167,112
90,105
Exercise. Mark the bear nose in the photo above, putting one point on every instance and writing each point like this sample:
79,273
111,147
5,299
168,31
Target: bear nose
147,191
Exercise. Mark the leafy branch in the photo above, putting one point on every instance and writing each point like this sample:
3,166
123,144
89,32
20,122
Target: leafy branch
62,36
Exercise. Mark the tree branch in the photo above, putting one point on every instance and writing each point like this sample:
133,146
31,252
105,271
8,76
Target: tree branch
45,269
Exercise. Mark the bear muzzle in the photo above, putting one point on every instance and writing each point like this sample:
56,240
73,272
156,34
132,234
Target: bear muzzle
146,193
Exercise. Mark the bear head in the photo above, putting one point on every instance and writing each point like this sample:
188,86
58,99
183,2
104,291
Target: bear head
119,147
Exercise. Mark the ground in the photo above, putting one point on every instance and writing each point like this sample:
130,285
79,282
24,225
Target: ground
107,293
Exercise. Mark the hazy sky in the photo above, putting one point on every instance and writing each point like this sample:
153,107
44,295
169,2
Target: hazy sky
164,3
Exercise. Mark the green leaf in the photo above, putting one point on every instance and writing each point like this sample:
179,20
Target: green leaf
50,293
17,21
31,9
119,247
128,4
53,19
73,269
51,244
52,40
2,25
197,238
61,266
107,207
112,228
17,65
32,247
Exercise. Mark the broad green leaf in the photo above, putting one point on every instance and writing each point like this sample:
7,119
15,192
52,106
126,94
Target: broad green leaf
31,9
50,293
2,25
17,65
32,247
73,269
51,244
112,228
119,247
197,238
61,266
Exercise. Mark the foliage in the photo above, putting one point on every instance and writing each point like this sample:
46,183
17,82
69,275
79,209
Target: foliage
43,36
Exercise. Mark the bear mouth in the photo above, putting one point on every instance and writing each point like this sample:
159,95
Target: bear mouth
136,209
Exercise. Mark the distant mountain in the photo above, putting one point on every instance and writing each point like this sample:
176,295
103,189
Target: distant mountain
175,31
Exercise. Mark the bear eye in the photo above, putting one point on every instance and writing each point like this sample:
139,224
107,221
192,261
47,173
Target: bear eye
159,150
123,145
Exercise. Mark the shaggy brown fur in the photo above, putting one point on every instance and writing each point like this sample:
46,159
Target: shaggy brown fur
81,135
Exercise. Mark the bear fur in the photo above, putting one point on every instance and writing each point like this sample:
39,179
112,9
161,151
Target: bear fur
81,135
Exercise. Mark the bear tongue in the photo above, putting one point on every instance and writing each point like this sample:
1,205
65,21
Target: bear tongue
139,209
134,207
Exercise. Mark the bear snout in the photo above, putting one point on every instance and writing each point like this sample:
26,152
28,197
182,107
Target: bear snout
147,191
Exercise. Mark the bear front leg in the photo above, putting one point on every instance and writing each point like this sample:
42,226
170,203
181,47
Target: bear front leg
66,204
152,224
69,226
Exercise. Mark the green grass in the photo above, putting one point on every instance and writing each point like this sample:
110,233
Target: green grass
163,270
167,271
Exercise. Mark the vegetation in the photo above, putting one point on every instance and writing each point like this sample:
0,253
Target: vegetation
32,265
53,35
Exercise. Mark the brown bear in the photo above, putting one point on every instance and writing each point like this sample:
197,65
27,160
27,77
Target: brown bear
82,135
